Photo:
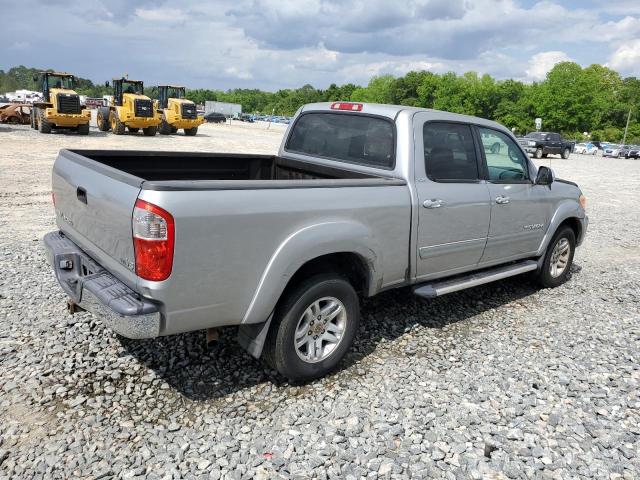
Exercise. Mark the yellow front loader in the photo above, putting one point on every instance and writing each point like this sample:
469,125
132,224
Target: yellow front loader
130,110
60,106
177,112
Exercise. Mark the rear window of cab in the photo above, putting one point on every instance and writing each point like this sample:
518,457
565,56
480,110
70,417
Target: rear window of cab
347,137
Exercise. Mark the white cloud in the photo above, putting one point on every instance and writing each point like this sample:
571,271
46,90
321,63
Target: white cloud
168,15
626,58
542,62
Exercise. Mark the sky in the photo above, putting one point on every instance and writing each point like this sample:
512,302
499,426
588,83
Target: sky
275,44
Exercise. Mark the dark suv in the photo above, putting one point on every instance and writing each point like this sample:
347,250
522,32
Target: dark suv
541,144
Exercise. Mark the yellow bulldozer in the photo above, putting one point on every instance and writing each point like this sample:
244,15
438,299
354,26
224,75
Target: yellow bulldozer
177,112
130,110
60,106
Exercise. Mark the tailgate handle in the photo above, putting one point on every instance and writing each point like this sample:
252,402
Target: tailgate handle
81,193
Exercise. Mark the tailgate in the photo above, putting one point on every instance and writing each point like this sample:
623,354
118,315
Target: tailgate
94,205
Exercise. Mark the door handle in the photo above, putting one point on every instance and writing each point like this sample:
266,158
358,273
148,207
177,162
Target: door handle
502,200
81,193
433,203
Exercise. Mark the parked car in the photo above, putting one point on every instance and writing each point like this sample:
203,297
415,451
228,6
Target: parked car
612,150
586,149
360,199
245,117
541,144
16,114
633,152
624,151
215,117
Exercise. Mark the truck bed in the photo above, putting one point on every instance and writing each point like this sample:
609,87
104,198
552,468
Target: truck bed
195,166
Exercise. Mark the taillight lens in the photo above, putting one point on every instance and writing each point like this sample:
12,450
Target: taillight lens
153,241
53,198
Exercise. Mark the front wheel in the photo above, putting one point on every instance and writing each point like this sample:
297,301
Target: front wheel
191,132
558,259
565,153
538,153
313,328
150,131
83,129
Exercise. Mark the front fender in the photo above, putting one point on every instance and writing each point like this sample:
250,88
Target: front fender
566,209
304,245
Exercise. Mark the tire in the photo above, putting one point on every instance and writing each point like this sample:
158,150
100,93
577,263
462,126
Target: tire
538,153
544,155
565,153
191,132
43,125
117,127
133,129
83,129
546,276
150,131
164,127
174,130
33,118
296,308
102,119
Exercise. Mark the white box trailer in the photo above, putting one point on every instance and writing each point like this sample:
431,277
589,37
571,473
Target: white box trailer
228,109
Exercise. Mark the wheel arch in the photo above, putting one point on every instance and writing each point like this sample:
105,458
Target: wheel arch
568,213
345,247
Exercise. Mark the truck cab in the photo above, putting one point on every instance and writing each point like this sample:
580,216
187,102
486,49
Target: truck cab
60,107
130,110
177,112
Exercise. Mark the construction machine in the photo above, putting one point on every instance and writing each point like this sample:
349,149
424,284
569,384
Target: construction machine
177,112
60,106
130,109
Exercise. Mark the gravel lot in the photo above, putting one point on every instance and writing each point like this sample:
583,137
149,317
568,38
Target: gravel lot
502,381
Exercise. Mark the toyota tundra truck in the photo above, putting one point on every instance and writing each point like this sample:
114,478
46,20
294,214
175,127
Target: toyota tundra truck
361,198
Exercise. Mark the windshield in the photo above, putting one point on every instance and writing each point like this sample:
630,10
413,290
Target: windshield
175,92
60,81
132,87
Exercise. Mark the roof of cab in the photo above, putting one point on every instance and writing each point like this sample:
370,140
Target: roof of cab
392,111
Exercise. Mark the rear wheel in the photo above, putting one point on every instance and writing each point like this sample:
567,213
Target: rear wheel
117,126
558,259
174,130
191,132
565,153
83,129
538,153
150,131
102,119
313,328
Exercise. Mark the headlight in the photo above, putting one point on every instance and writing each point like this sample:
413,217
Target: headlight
532,144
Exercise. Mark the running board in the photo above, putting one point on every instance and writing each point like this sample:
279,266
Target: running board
431,290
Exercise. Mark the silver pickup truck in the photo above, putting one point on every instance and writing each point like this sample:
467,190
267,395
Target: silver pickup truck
361,198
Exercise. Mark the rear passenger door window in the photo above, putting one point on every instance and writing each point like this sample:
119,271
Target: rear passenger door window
449,152
505,161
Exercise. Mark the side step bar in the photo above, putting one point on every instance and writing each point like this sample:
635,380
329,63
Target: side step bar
431,290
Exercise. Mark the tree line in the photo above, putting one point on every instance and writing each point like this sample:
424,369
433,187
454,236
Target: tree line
571,99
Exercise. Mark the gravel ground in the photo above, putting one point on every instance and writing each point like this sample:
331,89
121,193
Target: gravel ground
502,381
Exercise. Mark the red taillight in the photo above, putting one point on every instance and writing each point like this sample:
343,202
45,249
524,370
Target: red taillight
353,107
53,199
153,240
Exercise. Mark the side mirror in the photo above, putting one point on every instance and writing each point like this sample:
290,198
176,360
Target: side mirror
545,176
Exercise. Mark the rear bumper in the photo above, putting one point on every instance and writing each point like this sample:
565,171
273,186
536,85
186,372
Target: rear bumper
94,289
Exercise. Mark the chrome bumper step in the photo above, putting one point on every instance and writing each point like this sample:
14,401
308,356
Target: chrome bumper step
437,289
